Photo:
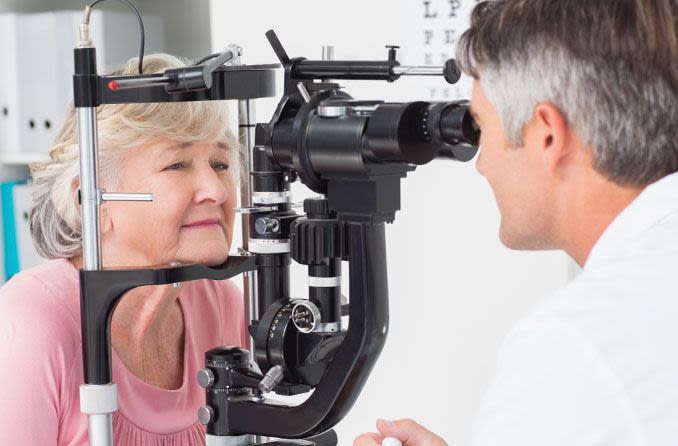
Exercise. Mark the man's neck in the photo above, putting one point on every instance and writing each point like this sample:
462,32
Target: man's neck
591,207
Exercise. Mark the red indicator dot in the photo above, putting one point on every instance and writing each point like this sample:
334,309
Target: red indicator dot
112,85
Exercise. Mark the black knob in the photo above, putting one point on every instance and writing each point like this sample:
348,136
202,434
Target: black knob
316,208
451,72
229,357
392,52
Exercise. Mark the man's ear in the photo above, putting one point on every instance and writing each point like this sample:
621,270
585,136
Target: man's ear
549,132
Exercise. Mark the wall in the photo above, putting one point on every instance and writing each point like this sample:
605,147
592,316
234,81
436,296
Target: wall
455,290
186,22
186,35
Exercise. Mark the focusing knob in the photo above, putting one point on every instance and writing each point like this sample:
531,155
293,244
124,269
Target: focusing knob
273,377
228,357
205,414
266,225
205,378
312,241
316,208
306,316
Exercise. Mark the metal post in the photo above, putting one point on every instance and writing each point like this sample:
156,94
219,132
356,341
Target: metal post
100,429
89,194
246,129
97,401
246,126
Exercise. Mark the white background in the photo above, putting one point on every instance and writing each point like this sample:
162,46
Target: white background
454,289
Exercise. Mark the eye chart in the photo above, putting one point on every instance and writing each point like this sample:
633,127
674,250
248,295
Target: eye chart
434,27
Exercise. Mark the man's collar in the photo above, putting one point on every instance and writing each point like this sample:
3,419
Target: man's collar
657,201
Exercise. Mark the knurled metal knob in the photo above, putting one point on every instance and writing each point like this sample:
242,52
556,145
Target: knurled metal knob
273,377
265,225
205,414
205,378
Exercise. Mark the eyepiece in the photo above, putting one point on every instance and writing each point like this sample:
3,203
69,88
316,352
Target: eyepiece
451,126
457,126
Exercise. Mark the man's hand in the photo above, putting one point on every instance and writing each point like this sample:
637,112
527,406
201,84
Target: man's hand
407,431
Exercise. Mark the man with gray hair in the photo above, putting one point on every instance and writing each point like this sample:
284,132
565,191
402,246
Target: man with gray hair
577,101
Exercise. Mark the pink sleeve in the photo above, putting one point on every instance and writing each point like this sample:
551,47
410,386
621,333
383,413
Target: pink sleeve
38,344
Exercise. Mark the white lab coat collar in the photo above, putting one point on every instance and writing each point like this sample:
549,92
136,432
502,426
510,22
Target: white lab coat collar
656,202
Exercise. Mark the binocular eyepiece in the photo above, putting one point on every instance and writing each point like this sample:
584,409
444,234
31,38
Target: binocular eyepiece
339,136
418,132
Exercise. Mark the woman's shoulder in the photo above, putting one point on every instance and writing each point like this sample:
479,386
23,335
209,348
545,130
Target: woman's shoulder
39,331
46,295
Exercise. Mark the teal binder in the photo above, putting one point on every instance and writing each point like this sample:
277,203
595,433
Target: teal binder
12,265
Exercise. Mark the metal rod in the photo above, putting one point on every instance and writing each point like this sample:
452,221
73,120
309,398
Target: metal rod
328,52
228,55
100,424
241,440
304,92
89,197
100,429
246,129
123,196
122,84
418,71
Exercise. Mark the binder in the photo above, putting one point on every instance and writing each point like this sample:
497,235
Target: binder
9,94
20,252
27,46
44,47
11,256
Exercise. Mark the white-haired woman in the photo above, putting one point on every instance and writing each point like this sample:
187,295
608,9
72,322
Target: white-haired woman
181,153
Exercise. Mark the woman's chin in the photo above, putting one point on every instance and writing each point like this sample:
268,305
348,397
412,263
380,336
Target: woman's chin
212,256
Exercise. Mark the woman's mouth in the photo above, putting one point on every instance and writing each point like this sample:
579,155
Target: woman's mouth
203,224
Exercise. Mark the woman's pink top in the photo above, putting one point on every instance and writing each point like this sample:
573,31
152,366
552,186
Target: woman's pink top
41,363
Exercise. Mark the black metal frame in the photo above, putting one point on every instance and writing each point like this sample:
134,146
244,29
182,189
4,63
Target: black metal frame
101,290
362,194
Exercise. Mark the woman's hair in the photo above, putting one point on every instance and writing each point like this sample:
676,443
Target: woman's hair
610,66
55,215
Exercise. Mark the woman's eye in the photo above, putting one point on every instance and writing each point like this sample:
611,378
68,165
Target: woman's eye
220,166
175,166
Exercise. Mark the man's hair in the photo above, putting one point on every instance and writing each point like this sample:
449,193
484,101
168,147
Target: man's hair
609,66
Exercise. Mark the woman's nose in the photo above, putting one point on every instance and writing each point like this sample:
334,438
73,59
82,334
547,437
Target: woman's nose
210,187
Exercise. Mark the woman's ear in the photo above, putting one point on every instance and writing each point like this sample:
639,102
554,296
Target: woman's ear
105,220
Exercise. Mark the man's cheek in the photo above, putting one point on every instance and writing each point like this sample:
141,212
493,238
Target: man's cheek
478,165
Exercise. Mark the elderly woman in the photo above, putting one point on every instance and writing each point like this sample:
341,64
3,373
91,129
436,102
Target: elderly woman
181,153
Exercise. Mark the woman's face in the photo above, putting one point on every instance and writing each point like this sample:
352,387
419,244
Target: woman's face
191,217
